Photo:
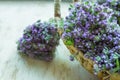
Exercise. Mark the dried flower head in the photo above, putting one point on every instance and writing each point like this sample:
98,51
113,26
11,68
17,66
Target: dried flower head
93,29
39,41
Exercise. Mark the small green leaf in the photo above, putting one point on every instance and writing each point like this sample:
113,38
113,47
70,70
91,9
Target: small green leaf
67,30
86,2
98,58
44,32
118,63
48,37
96,68
28,34
69,42
115,56
113,2
105,50
71,25
23,41
97,38
115,69
71,6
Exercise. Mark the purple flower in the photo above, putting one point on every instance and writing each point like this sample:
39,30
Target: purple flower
84,35
38,40
92,29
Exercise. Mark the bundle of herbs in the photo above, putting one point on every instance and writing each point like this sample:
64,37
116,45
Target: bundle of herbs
39,41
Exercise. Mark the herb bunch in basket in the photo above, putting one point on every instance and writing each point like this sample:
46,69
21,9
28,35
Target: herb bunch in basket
93,29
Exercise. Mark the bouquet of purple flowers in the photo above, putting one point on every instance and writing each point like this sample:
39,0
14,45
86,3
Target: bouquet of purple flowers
92,29
39,41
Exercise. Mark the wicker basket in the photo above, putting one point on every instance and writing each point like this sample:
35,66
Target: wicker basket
88,64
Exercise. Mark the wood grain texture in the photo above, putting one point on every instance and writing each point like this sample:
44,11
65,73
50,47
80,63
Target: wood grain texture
14,17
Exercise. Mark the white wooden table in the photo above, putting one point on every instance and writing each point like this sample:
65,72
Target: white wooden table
14,17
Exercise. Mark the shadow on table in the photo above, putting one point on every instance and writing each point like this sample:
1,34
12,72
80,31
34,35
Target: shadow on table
57,69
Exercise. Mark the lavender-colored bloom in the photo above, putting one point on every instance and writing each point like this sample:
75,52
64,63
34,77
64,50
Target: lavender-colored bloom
103,56
92,30
113,4
71,58
39,41
77,5
107,66
84,35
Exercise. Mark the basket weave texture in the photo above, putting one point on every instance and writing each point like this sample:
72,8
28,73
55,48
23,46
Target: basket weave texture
88,65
